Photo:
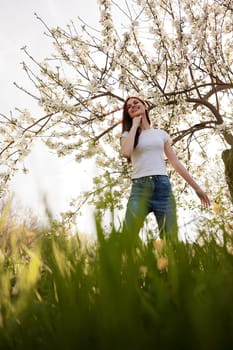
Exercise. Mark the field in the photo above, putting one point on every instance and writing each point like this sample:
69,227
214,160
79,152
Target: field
60,292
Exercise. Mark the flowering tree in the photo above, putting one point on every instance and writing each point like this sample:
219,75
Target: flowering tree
177,55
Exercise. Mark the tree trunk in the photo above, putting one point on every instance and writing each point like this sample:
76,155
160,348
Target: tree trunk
227,156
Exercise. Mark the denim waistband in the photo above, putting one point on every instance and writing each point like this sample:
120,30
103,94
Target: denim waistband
147,178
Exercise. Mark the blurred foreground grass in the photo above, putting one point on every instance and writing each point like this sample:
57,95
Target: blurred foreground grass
56,292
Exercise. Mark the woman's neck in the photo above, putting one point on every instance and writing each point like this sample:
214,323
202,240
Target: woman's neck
144,124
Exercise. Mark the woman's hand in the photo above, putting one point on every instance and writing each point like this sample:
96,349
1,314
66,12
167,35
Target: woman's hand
137,121
203,197
127,143
178,166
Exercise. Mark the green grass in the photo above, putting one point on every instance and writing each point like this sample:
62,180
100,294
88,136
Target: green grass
56,292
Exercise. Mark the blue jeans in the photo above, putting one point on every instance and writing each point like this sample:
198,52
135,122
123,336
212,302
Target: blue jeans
152,194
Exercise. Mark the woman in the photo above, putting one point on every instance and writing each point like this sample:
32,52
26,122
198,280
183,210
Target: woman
151,189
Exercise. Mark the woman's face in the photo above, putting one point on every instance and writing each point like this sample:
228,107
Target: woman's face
135,107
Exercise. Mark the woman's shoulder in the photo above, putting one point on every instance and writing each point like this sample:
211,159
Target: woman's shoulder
124,133
161,131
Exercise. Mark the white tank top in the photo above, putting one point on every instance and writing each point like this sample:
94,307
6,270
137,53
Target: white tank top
148,156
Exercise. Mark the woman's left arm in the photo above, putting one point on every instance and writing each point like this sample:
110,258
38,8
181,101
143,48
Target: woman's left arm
178,166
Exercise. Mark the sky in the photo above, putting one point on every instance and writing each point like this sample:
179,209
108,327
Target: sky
50,177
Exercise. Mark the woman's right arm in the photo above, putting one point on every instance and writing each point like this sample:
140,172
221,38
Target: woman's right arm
127,142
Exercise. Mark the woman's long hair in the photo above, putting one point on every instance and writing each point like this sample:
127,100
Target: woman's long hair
127,120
